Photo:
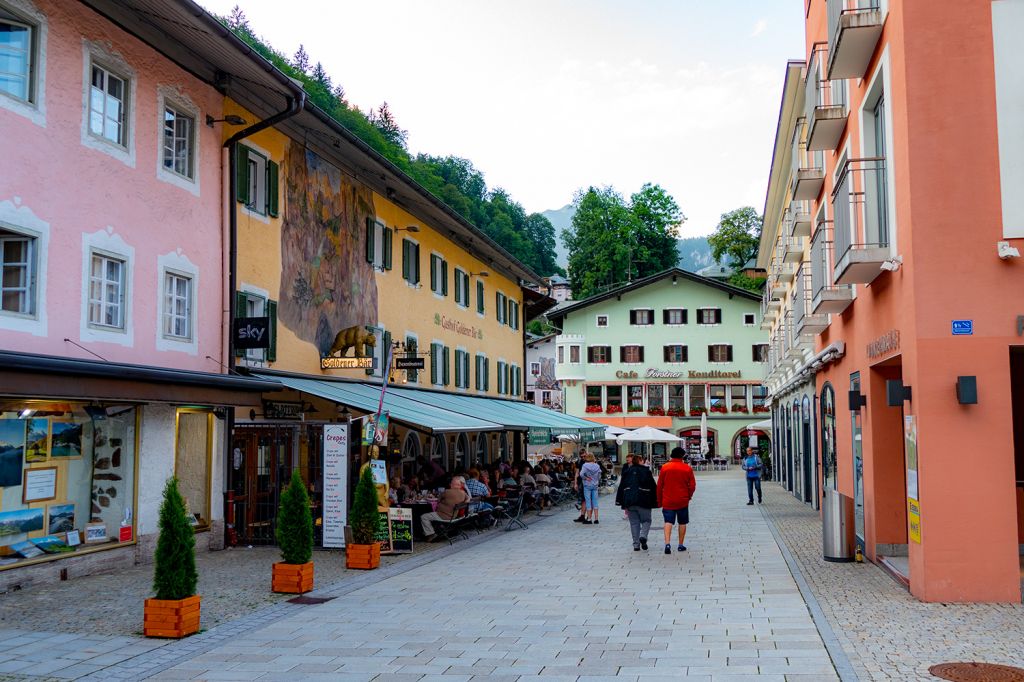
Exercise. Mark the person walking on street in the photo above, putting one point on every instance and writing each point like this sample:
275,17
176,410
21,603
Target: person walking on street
676,484
637,495
590,474
752,465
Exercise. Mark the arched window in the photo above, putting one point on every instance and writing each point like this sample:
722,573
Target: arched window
438,449
410,451
462,451
481,449
829,465
503,447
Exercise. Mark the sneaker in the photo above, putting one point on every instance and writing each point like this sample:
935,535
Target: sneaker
750,503
579,520
596,521
636,548
681,548
668,549
587,522
643,543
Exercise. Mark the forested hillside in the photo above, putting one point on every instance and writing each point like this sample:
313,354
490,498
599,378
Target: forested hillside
453,180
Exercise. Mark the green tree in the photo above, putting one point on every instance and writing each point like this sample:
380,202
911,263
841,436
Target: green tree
174,573
384,120
294,530
742,281
364,519
736,237
611,242
301,59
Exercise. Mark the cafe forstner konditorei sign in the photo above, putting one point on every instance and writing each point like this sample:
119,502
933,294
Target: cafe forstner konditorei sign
654,373
356,338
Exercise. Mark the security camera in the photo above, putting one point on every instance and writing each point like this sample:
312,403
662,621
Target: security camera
1006,251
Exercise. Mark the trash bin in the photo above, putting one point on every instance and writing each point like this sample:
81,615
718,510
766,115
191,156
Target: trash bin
837,530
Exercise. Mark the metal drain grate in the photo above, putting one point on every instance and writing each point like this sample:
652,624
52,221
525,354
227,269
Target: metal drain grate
309,600
977,672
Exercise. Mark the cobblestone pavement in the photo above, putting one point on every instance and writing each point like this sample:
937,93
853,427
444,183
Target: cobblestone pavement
560,601
885,632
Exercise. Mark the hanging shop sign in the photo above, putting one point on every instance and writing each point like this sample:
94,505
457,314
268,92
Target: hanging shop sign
251,333
335,489
376,432
281,409
348,363
360,340
458,327
410,363
538,436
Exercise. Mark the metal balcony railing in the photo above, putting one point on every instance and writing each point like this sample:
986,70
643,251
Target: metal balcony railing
821,255
825,103
859,204
808,165
797,220
854,27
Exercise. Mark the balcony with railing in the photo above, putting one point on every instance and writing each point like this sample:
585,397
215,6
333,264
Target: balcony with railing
798,219
808,166
860,207
826,104
804,319
770,307
854,27
826,297
793,249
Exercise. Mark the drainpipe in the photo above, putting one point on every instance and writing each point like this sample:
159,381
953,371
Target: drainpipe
295,105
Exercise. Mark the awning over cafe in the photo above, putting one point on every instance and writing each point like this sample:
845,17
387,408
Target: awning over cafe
366,397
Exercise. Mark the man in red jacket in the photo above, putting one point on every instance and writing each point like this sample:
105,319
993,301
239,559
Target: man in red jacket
676,484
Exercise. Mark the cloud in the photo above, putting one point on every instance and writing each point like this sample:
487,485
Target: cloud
760,27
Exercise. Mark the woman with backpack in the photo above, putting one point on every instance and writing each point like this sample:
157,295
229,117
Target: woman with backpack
637,494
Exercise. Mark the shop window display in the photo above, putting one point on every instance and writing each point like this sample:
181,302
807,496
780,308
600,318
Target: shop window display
67,478
614,400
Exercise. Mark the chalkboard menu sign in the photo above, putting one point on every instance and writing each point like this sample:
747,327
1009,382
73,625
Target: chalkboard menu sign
401,530
395,531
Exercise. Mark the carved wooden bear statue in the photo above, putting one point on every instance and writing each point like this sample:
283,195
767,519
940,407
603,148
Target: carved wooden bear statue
354,337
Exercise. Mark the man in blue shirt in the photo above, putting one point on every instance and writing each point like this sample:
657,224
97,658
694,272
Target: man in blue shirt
752,465
477,490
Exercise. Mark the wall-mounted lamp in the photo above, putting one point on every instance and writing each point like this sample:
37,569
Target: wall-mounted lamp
95,412
967,390
230,119
857,400
1005,251
389,192
411,228
482,273
896,393
893,264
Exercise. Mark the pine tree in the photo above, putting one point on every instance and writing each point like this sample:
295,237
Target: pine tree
364,519
174,576
301,60
294,531
237,19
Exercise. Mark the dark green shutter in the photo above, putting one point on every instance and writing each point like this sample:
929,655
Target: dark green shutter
369,240
478,375
458,286
444,277
433,273
240,304
272,192
487,373
406,260
445,362
480,297
272,314
434,360
416,263
388,237
242,173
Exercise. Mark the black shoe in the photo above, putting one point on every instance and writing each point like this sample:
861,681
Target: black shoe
596,521
750,503
668,549
760,502
579,520
587,522
643,543
636,549
681,548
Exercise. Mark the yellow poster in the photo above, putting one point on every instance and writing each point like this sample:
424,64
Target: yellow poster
914,519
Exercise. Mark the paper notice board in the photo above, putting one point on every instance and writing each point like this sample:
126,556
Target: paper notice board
335,490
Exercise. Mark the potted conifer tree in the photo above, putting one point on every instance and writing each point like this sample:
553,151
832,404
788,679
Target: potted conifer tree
174,612
364,520
294,573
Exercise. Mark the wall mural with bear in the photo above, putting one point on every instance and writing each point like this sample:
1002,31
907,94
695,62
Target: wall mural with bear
326,283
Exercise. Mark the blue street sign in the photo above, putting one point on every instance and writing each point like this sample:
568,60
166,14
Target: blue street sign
963,327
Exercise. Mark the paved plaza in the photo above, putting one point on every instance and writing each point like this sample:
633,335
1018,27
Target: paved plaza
559,601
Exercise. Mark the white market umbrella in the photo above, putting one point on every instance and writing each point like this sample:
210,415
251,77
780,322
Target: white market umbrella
647,434
612,432
761,425
704,448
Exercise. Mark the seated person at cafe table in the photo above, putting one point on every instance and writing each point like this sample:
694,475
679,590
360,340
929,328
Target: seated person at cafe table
478,490
455,495
431,473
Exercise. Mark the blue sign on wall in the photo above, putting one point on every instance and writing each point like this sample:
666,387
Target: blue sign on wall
963,327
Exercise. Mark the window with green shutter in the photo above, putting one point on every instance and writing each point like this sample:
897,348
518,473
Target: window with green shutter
388,239
371,248
487,374
480,297
411,261
242,174
444,277
445,365
435,364
272,189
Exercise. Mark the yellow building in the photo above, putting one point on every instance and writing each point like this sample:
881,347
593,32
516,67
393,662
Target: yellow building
340,258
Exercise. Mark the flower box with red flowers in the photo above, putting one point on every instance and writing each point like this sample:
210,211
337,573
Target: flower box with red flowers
696,412
739,408
719,409
656,412
614,409
760,409
593,409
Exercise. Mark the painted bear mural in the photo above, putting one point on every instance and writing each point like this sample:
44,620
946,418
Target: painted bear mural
326,283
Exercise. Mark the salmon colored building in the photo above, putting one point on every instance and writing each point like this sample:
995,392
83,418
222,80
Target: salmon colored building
901,130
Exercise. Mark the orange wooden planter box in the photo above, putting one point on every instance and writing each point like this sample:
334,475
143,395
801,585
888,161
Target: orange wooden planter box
362,556
292,578
172,618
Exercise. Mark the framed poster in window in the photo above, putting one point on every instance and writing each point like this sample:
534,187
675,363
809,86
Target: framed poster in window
39,485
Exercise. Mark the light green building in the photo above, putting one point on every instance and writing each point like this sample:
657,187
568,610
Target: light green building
662,350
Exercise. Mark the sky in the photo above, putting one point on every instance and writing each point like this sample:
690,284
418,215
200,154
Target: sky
547,97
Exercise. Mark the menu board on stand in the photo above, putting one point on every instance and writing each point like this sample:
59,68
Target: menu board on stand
335,490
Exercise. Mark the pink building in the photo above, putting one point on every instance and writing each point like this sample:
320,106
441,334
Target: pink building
112,298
